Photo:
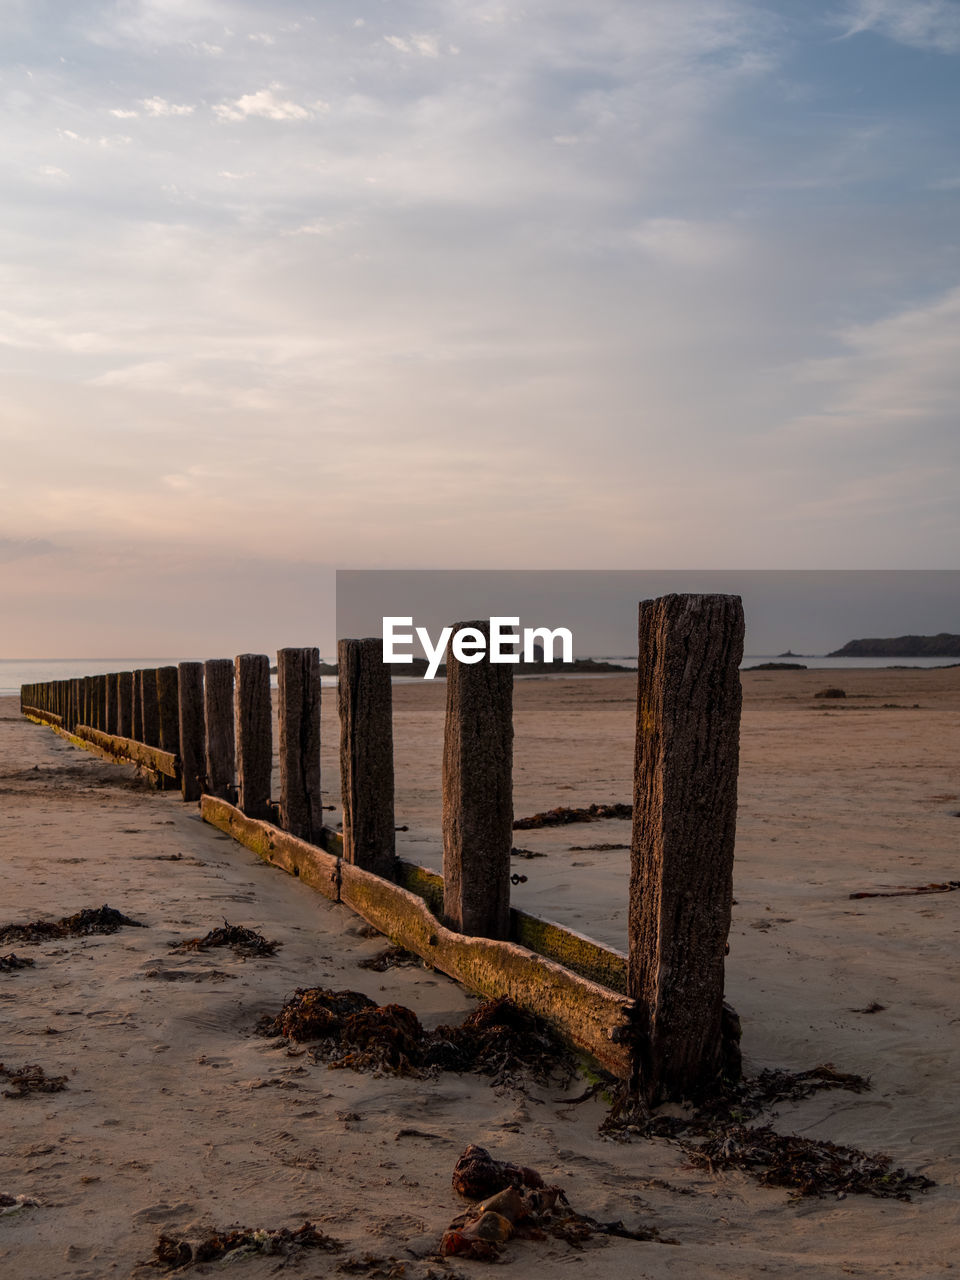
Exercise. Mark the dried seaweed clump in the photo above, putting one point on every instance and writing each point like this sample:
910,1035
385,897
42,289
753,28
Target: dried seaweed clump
240,1242
561,816
31,1079
10,963
244,942
498,1039
808,1167
515,1204
714,1137
82,923
501,1040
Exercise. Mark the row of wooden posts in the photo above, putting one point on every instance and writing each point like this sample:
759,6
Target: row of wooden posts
215,718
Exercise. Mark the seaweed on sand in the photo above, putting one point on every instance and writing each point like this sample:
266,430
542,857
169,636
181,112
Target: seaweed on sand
561,816
498,1039
714,1136
514,1202
30,1079
807,1166
228,1246
80,925
10,963
243,942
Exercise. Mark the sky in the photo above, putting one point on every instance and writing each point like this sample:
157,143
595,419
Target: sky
401,284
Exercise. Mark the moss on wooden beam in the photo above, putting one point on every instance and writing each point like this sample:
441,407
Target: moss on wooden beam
315,867
127,749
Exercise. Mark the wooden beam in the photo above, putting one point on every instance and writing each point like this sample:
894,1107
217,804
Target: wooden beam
131,751
313,866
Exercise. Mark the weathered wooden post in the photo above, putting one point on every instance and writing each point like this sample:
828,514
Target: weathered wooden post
684,825
168,700
150,706
86,715
138,705
365,704
101,713
477,790
298,690
220,750
110,704
254,734
190,704
125,704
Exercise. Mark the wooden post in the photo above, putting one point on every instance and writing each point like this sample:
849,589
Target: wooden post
137,711
220,751
190,701
168,700
254,734
110,704
150,706
684,825
298,687
365,704
102,702
477,793
125,704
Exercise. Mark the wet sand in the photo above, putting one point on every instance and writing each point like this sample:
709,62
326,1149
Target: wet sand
176,1115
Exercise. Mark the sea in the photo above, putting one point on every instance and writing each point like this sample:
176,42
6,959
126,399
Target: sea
17,671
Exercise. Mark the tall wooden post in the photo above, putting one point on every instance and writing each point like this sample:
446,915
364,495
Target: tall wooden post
254,734
125,704
168,700
477,793
101,702
137,716
298,689
365,704
110,708
150,706
220,751
190,704
684,825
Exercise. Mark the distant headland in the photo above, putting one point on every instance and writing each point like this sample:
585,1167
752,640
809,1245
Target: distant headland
943,645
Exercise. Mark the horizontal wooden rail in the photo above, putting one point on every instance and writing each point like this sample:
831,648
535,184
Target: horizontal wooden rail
39,716
128,749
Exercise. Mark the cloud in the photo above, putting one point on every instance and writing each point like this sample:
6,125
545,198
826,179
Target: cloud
121,114
428,46
265,104
920,24
899,372
24,548
161,107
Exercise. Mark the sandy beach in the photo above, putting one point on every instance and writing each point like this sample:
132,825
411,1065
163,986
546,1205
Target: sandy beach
177,1116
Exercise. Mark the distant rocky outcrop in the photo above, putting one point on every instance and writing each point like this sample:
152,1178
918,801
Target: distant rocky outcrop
778,666
943,645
